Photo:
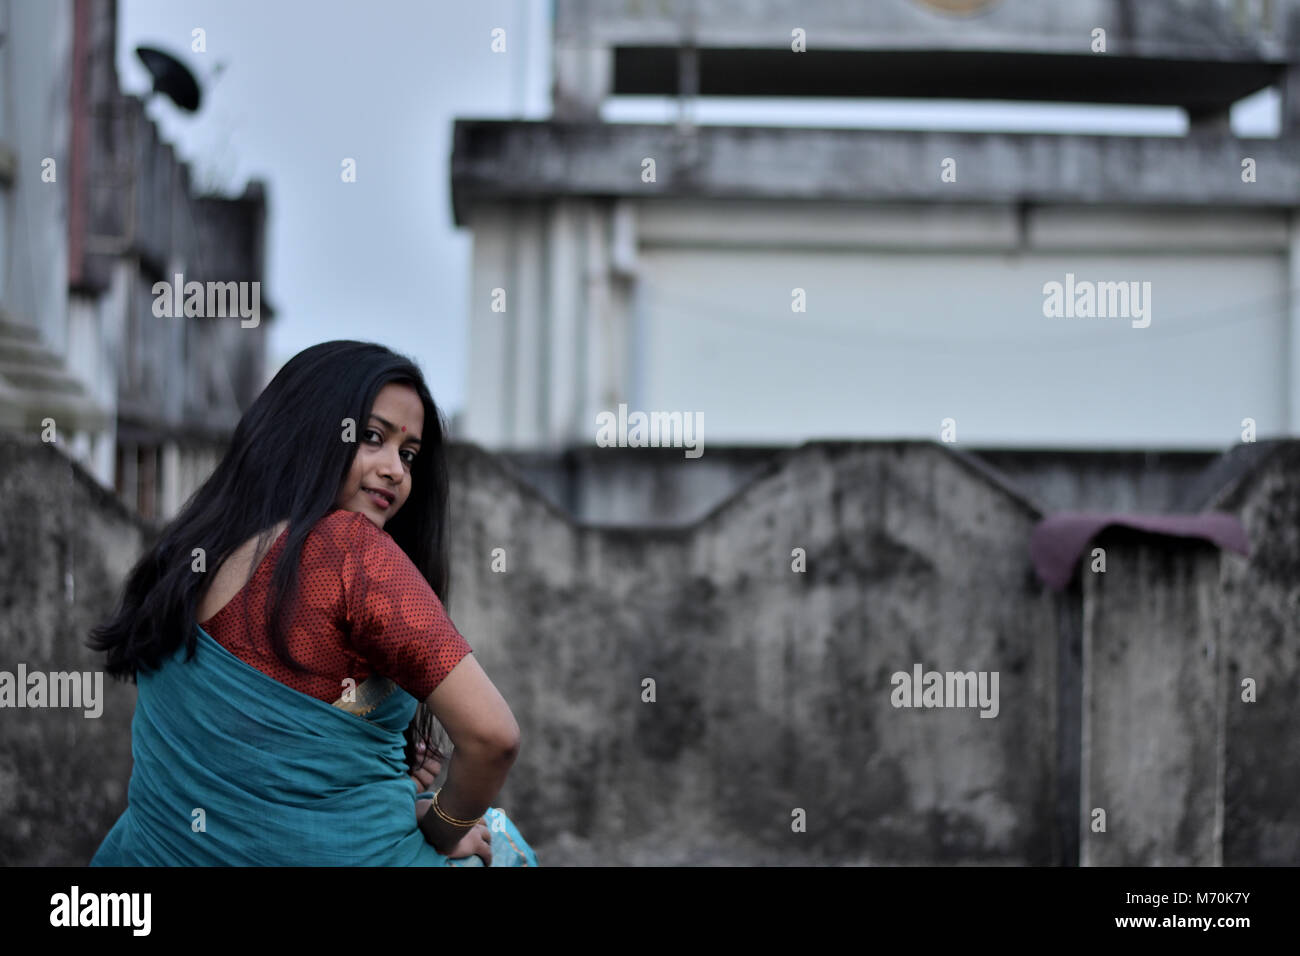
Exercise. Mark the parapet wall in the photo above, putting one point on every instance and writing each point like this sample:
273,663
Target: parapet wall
732,691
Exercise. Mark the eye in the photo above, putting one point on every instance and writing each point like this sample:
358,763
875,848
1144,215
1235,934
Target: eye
371,431
411,460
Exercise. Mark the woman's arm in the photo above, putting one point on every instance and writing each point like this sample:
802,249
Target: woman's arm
402,629
485,738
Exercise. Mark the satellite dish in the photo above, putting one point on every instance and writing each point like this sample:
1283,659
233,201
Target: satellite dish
170,76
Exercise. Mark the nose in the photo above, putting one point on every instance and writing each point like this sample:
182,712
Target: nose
390,465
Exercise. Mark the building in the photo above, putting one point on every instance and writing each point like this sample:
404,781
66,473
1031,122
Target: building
95,211
795,283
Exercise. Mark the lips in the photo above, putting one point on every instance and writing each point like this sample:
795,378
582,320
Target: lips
382,498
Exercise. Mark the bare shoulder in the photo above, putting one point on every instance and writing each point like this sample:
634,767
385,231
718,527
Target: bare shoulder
236,571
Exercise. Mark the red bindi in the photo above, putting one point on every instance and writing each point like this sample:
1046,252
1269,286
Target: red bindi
403,428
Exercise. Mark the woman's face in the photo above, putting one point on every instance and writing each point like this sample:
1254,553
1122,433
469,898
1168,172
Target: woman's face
386,446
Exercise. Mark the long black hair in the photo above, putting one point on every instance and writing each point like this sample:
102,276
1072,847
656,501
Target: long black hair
287,460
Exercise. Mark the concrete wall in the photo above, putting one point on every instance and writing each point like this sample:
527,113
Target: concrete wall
1153,707
659,487
1150,482
35,122
640,486
1200,54
773,687
1257,618
673,291
1113,693
65,547
1224,29
1116,688
79,255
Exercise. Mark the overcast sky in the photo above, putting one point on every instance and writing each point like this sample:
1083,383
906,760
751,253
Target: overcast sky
293,87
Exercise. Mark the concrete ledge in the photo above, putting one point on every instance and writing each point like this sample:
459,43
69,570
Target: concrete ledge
494,160
1160,29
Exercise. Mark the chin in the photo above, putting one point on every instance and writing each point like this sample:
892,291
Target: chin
368,511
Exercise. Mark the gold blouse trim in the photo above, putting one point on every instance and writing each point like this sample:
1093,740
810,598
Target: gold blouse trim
370,693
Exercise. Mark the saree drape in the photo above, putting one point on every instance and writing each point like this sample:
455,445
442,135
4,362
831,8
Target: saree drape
234,768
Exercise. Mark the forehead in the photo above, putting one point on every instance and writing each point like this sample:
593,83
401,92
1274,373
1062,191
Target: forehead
401,405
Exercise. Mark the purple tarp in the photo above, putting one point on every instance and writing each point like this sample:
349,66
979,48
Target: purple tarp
1059,540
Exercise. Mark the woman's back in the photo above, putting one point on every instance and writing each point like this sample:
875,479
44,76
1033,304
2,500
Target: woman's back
364,609
233,768
237,713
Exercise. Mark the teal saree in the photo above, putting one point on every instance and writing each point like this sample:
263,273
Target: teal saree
234,768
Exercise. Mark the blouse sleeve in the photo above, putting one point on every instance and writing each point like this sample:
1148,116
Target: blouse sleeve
396,621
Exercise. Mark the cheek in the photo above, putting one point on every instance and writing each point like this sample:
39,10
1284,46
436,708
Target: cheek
352,484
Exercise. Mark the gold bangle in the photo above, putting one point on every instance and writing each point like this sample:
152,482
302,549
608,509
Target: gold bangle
450,819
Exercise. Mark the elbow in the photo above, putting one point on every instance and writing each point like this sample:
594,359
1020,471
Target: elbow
500,752
509,746
499,747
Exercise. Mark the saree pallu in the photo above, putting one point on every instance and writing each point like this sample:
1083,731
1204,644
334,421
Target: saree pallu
234,768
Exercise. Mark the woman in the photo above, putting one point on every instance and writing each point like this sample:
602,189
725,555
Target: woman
288,627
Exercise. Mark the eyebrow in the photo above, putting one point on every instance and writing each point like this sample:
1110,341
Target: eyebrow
392,428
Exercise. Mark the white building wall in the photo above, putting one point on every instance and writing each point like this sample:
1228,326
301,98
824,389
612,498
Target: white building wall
565,321
914,315
35,86
485,387
526,342
540,371
1289,349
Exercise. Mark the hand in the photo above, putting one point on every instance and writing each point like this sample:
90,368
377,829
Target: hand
477,841
424,771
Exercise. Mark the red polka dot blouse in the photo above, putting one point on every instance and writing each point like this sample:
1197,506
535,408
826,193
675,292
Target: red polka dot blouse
363,609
